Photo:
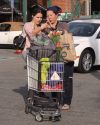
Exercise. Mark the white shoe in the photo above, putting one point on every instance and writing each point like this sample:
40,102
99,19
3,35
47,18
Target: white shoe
65,107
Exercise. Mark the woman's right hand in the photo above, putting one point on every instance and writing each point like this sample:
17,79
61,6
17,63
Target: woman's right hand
44,26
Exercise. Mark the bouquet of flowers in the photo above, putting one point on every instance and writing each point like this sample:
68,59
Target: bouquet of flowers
55,37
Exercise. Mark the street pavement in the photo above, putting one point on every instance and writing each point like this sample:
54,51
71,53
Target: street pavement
85,108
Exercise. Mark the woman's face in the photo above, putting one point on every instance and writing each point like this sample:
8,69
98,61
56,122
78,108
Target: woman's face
51,16
37,18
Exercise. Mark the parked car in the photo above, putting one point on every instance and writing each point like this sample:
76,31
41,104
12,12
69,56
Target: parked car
86,35
8,31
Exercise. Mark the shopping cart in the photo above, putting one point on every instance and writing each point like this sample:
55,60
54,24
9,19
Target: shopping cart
45,74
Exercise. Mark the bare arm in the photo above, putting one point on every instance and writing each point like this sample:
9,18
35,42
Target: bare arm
40,28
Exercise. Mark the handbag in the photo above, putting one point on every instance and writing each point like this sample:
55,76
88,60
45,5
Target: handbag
19,42
68,52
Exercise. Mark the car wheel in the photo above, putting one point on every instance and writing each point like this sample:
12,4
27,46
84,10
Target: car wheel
86,61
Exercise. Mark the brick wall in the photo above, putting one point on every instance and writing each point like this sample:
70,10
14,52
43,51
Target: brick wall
42,3
64,4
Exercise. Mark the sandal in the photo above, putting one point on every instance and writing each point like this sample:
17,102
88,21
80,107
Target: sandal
65,107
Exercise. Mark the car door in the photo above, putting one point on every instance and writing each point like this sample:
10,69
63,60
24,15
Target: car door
4,33
12,35
98,48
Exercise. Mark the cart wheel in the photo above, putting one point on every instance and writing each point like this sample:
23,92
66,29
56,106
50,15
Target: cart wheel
27,109
54,119
38,118
57,118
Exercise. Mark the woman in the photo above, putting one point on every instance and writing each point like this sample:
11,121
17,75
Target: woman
30,30
54,25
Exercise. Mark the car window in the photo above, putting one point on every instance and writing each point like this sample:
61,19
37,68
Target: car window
82,29
5,27
16,26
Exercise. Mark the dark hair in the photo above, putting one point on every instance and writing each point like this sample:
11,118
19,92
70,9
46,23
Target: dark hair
55,9
37,9
34,10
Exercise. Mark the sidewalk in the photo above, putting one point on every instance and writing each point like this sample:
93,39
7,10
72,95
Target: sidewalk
85,108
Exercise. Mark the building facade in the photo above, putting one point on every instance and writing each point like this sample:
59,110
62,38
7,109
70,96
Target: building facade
21,7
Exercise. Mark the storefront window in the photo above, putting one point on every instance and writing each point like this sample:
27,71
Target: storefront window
11,10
